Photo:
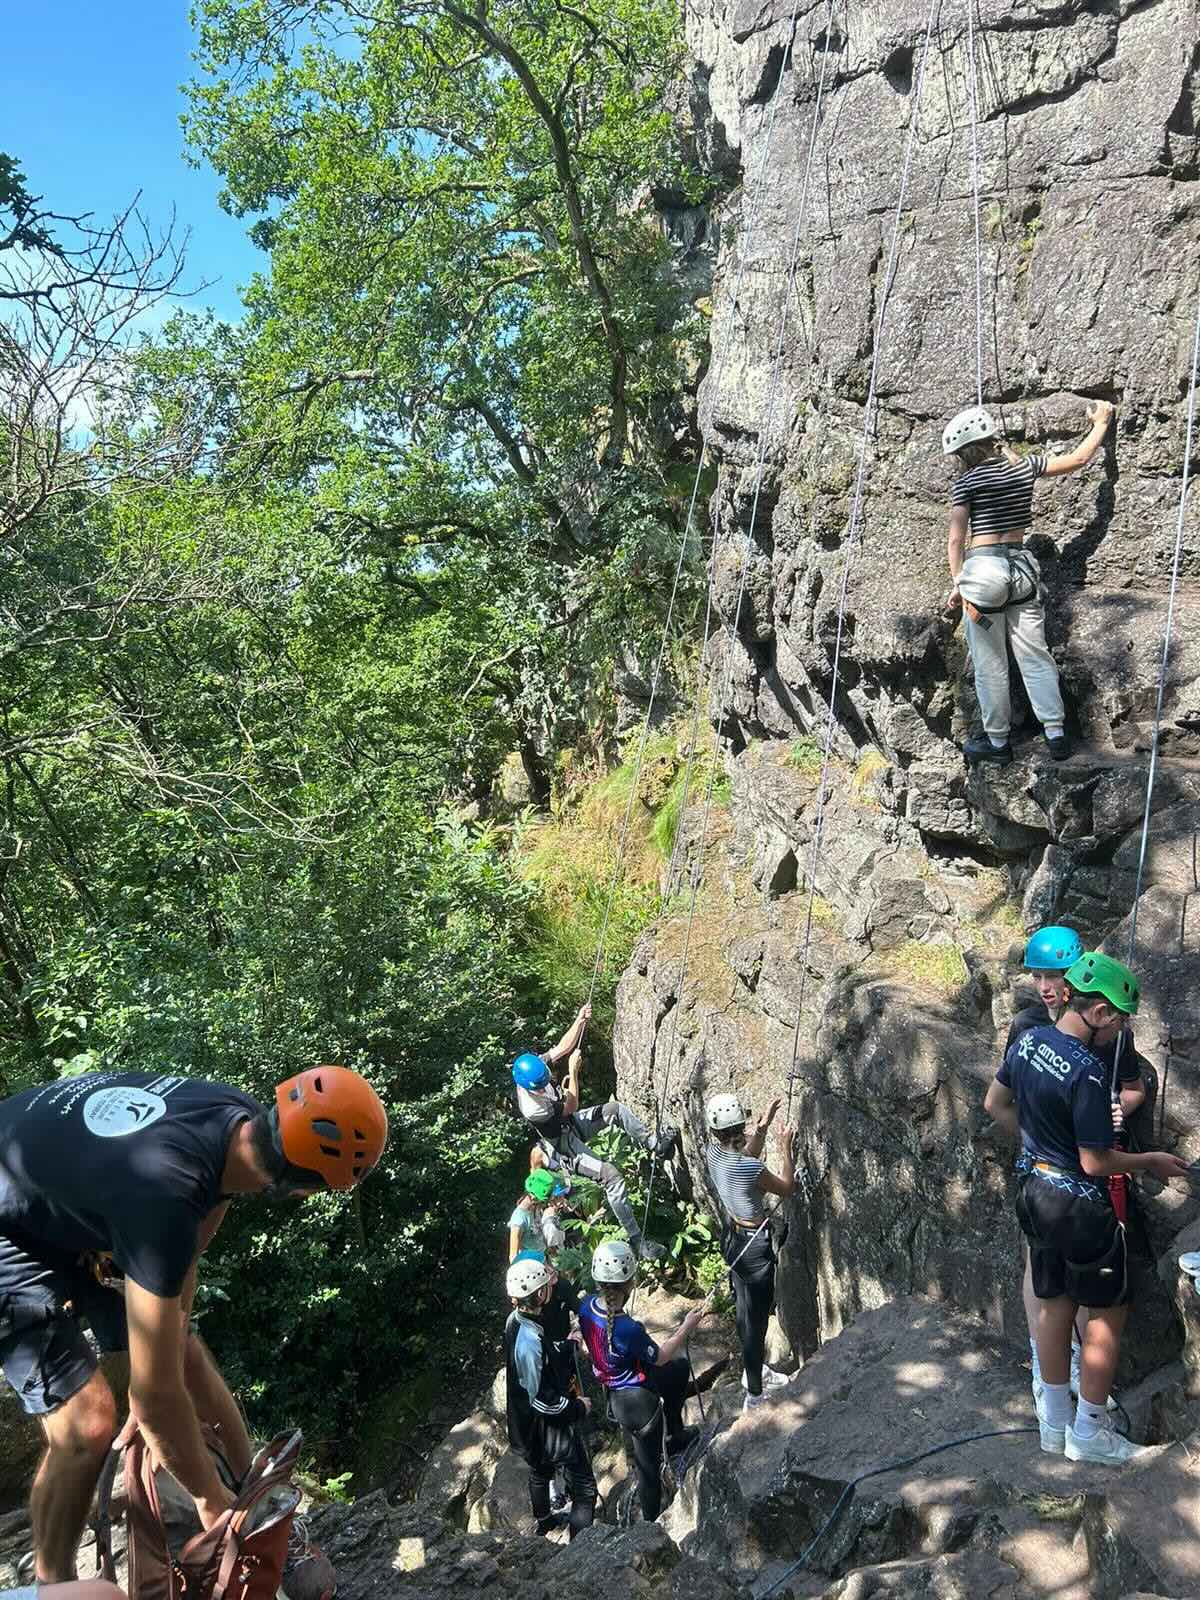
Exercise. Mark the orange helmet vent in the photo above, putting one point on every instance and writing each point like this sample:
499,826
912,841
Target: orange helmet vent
331,1122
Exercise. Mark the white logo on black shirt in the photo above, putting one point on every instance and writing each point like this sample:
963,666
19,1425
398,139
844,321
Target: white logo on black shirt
113,1113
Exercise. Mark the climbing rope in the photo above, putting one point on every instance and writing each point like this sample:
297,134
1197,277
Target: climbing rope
973,89
847,1493
724,346
759,471
1156,729
853,534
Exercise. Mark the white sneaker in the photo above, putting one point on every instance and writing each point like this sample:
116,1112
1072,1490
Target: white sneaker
1189,1262
770,1378
1039,1389
753,1400
1054,1440
1106,1447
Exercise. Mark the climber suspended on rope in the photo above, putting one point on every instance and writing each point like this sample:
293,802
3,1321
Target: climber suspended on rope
1048,955
1054,1090
647,1383
543,1406
997,582
742,1182
137,1170
563,1129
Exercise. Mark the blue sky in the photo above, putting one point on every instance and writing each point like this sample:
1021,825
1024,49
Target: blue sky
89,106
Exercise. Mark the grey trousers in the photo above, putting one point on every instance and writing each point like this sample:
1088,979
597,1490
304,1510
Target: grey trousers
571,1150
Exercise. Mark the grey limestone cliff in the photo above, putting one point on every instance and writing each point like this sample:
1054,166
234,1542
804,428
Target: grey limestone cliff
928,874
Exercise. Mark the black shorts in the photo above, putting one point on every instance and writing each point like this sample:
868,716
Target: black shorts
44,1301
1076,1245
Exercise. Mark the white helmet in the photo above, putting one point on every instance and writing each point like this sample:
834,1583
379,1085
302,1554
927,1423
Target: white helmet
968,427
613,1262
526,1278
724,1111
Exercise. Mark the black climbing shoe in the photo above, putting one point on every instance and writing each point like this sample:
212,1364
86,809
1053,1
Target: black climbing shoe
681,1441
1059,748
981,748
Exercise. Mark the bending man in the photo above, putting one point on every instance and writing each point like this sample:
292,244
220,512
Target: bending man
1055,1091
136,1170
563,1130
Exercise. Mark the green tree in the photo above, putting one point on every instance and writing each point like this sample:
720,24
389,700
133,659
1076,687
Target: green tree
470,329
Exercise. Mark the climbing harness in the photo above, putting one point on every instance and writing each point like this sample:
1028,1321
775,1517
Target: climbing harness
1023,582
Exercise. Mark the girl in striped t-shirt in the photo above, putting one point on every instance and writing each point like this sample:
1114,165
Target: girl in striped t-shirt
997,581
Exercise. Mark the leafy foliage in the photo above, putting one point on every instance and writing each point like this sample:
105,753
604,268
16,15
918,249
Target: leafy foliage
279,597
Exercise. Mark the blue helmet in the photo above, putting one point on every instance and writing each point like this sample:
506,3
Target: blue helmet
1053,949
531,1072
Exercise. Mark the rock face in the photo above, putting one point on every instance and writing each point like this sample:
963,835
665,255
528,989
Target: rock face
883,1018
881,1011
1089,245
986,1513
878,1005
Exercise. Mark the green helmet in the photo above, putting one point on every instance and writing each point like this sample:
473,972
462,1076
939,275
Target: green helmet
540,1185
1095,973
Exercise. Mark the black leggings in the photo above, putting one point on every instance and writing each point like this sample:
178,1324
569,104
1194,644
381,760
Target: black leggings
581,1486
644,1422
752,1280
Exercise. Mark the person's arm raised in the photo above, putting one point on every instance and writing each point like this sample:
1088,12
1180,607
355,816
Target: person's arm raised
1100,414
570,1039
571,1094
785,1183
756,1140
160,1402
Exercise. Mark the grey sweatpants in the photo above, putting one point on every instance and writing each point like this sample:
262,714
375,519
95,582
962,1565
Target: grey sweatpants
983,581
571,1150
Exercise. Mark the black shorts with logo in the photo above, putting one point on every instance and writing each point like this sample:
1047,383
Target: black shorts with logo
1076,1245
44,1301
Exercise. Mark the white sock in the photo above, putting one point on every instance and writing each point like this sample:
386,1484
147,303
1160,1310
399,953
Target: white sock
1056,1404
998,744
1088,1418
1037,1365
1055,730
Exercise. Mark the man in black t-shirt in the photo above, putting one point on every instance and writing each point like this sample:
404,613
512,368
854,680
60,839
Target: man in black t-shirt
111,1187
1054,1091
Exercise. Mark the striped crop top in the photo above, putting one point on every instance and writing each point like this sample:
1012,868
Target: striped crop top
998,495
735,1178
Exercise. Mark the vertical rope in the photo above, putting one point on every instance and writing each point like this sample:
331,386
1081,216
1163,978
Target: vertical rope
760,463
724,346
852,535
973,87
1168,628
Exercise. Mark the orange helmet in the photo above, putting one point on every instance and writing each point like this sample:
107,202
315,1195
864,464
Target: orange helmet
331,1122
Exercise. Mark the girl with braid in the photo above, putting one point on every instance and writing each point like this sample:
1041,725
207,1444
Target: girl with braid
647,1382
